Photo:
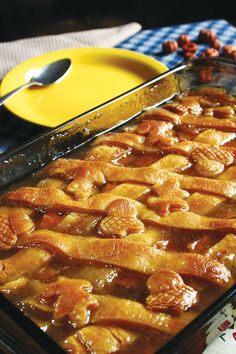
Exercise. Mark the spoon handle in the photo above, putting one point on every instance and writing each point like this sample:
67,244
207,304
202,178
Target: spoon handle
11,93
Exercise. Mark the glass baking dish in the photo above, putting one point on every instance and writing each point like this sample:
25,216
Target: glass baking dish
17,332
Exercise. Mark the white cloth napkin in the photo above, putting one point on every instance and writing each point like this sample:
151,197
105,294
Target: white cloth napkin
221,333
14,52
225,344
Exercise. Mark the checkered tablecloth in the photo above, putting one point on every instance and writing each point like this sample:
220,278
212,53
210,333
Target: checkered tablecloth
14,131
150,41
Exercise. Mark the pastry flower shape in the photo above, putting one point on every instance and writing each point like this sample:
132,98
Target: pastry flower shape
67,293
168,293
121,220
170,197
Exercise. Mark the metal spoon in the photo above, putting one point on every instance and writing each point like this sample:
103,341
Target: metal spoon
42,77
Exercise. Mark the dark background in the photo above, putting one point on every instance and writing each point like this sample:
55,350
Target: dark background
24,18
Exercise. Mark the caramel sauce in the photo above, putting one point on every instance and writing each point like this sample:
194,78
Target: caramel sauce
69,213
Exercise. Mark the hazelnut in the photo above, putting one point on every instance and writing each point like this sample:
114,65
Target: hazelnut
189,55
183,39
228,49
169,46
205,75
206,35
233,55
210,53
190,47
216,44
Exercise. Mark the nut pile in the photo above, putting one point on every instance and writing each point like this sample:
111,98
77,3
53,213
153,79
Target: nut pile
189,47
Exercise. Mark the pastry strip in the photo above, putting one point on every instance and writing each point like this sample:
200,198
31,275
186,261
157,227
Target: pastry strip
128,255
57,200
24,262
127,312
148,175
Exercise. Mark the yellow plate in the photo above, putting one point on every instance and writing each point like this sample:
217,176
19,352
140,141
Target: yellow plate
96,75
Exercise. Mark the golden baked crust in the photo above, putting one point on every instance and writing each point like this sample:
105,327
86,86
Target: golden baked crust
117,251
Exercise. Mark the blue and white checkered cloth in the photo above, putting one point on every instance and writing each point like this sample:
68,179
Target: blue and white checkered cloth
15,131
150,41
